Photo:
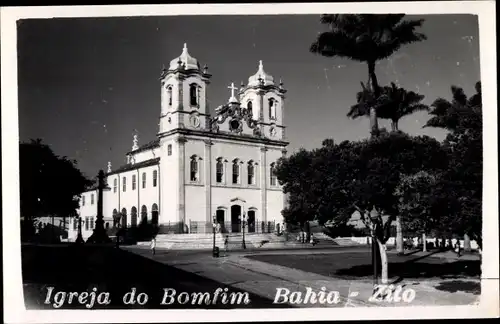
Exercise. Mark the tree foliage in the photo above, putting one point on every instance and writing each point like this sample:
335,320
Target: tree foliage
338,179
50,185
460,188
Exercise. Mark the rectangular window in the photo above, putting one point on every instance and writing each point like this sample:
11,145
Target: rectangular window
86,223
92,199
91,222
133,182
124,184
83,200
155,178
194,169
75,224
169,149
143,180
115,185
273,175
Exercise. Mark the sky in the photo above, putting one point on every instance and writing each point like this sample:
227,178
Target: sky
86,85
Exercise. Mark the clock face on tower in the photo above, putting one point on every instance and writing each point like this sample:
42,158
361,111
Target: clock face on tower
195,121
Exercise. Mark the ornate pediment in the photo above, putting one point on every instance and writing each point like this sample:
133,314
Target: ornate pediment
236,117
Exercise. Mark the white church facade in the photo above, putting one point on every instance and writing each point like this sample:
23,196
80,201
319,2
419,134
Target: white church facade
201,168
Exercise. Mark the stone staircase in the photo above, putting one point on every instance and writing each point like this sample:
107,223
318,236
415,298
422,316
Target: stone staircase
203,241
345,241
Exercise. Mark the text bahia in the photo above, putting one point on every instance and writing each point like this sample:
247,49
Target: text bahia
285,296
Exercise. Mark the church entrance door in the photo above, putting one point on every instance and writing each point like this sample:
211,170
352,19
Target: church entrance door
251,221
220,220
235,218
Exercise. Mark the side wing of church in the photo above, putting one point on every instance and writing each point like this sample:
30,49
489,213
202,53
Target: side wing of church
201,169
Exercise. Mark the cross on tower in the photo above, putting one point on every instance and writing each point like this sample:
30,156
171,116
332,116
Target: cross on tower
233,88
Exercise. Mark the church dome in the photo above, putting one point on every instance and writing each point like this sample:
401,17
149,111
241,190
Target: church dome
189,62
261,74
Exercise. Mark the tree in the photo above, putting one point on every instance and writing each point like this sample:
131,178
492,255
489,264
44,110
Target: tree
418,202
461,185
367,39
359,176
49,185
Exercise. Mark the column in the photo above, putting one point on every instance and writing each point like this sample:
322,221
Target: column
181,209
208,181
263,184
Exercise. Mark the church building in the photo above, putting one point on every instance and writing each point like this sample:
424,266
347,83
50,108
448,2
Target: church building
201,168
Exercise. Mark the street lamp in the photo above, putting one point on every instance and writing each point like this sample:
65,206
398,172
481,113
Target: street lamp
243,245
214,225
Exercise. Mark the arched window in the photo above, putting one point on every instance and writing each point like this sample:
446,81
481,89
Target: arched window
134,180
169,95
219,171
169,149
124,184
124,217
272,172
155,178
272,108
83,200
250,109
91,199
115,185
144,214
143,180
133,216
193,94
154,214
251,173
194,168
236,171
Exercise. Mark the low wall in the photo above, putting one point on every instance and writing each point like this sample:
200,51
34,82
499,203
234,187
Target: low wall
392,241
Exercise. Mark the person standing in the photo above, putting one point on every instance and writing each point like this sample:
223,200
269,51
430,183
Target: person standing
226,244
153,245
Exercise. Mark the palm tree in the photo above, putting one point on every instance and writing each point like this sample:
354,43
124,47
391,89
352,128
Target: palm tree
461,113
393,103
368,39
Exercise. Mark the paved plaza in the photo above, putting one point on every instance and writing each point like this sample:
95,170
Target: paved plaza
342,269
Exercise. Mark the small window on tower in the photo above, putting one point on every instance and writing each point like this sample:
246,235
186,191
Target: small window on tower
169,94
193,95
250,109
169,149
194,169
272,108
115,185
144,180
133,182
124,180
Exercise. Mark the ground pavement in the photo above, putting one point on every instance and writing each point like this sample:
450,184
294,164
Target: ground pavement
242,271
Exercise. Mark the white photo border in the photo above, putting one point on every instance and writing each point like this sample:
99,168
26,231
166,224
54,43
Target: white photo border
15,311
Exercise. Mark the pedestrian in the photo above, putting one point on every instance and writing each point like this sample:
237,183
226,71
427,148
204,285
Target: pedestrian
313,241
153,245
226,244
457,246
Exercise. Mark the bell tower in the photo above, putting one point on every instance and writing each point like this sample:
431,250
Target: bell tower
183,94
266,101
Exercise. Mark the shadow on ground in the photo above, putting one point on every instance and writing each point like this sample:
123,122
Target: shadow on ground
78,269
460,285
358,265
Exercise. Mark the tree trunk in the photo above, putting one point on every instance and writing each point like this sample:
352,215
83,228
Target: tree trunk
394,125
424,242
399,236
383,261
467,247
376,91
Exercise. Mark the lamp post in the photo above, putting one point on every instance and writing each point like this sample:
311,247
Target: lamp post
243,245
79,238
214,225
374,250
